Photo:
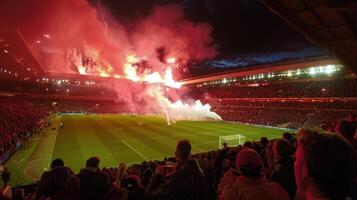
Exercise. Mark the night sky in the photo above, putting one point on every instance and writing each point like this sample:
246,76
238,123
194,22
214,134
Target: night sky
239,26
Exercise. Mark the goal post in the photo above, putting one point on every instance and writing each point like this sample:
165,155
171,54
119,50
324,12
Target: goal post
232,140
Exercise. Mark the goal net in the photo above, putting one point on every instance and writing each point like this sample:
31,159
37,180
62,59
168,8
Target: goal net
232,140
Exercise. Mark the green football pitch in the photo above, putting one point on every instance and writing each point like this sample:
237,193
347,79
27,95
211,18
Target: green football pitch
120,138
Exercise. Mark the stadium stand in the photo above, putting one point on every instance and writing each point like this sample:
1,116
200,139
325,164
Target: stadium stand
305,103
18,121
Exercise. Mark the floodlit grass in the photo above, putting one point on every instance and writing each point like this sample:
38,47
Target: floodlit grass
123,138
18,162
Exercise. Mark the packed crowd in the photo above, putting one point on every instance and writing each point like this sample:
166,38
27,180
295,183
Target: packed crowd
289,104
308,103
282,117
56,88
18,121
69,105
81,105
310,165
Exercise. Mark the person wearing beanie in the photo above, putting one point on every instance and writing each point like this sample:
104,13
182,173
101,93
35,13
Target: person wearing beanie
252,184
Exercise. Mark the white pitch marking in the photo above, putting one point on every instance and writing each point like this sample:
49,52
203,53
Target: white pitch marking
53,144
132,148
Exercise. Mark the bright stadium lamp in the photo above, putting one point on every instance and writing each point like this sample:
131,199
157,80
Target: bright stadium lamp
329,69
312,71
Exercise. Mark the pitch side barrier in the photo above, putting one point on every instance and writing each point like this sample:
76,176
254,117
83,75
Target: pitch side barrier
88,113
264,126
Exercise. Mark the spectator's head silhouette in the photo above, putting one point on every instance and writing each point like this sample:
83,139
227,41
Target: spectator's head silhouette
345,129
287,136
264,141
225,145
93,162
325,165
282,149
183,150
248,144
57,163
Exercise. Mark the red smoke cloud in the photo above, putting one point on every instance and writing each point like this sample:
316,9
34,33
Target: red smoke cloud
86,40
83,35
167,27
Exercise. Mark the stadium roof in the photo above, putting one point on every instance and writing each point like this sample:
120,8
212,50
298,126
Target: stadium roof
17,61
331,24
247,61
264,69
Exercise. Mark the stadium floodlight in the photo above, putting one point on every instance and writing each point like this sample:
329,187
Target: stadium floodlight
312,71
329,69
232,140
298,72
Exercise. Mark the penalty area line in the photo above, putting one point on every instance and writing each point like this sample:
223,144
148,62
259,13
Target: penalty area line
135,150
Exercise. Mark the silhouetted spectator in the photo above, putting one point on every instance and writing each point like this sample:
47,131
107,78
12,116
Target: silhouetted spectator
134,170
217,167
132,184
262,147
56,182
268,159
248,144
284,166
186,182
347,131
94,183
253,184
18,194
146,177
5,176
353,119
228,179
325,165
